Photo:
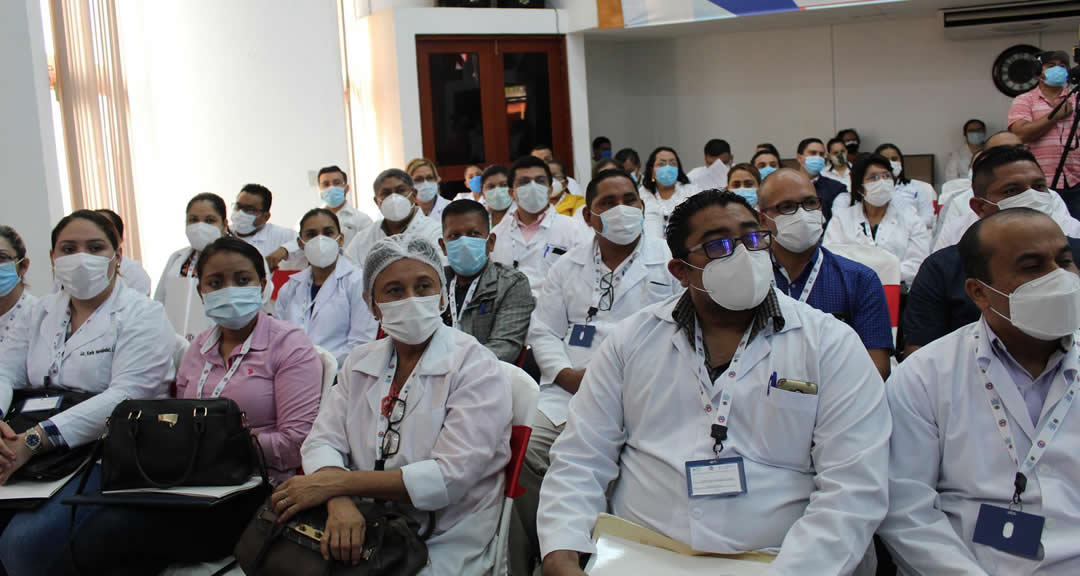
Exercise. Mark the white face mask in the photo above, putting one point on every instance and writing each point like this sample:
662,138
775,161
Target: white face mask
556,188
426,191
800,231
498,198
412,320
396,207
740,281
1029,198
201,234
83,275
1046,308
243,223
879,192
532,197
321,251
622,224
897,167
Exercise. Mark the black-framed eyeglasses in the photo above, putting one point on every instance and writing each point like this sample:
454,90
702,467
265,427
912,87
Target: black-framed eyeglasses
247,209
790,207
724,247
607,291
392,439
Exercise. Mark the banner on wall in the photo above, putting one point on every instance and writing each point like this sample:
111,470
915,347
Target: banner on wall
637,13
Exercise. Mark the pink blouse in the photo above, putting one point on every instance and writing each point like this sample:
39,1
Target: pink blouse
278,384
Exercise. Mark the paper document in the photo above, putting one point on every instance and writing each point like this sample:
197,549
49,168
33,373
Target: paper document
627,549
194,491
30,489
184,308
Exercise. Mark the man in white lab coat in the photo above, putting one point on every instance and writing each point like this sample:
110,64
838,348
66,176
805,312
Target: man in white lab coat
534,236
586,293
731,418
395,195
983,465
251,221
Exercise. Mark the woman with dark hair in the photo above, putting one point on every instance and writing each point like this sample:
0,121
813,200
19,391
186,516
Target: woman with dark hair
270,369
874,218
918,194
326,299
838,167
176,289
95,337
744,180
15,301
630,163
664,186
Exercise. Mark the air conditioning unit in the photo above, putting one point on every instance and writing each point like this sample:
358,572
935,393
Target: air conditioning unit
1011,18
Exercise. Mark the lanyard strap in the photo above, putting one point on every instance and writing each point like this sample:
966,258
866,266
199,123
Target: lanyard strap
456,315
718,431
384,422
598,276
55,377
810,280
517,252
228,374
1045,436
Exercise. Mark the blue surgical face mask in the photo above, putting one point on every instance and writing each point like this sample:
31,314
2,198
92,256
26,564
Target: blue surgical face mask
467,255
749,193
976,138
667,175
765,171
1056,76
9,277
605,154
233,307
814,164
334,196
474,183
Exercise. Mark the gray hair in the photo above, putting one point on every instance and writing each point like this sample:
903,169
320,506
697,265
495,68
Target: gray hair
399,247
393,173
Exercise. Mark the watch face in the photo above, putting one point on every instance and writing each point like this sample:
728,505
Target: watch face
33,440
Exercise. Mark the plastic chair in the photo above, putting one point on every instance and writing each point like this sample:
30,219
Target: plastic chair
278,279
329,372
525,393
887,267
179,349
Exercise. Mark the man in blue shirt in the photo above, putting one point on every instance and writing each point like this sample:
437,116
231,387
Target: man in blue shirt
792,211
812,158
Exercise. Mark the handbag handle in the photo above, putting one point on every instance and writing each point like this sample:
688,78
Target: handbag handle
198,429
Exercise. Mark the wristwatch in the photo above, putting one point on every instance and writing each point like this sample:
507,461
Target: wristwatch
33,441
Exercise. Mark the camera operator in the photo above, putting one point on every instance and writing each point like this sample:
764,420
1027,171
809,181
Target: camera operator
1031,117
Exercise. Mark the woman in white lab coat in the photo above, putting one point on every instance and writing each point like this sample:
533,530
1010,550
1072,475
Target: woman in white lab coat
206,222
918,194
873,217
664,186
440,404
326,299
15,301
96,335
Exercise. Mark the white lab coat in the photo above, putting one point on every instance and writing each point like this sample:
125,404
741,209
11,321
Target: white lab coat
947,459
900,232
420,226
455,441
564,301
920,196
269,238
960,217
831,173
437,210
352,222
10,319
709,177
535,257
135,276
958,163
816,465
658,210
339,320
124,350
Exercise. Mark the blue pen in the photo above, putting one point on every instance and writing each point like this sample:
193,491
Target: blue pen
772,384
483,306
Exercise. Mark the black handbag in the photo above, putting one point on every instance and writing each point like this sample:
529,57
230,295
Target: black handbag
167,443
392,544
56,464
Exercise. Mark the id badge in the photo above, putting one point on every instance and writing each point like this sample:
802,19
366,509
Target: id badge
582,335
42,403
717,477
1010,531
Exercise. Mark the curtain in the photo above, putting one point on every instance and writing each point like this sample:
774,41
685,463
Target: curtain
94,105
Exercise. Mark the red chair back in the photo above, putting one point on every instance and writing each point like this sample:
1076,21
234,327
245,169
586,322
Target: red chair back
519,443
278,279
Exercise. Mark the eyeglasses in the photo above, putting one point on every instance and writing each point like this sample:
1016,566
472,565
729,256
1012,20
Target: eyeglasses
4,259
880,176
607,291
724,247
541,180
247,209
789,207
392,438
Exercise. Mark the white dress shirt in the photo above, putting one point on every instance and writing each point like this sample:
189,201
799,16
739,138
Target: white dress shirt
948,459
123,350
920,196
338,320
556,236
570,289
420,226
831,173
901,232
958,163
455,441
816,465
271,237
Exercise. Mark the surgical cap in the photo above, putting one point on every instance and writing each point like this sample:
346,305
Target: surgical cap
398,247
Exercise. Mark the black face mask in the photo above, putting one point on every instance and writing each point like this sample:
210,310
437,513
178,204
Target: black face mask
852,146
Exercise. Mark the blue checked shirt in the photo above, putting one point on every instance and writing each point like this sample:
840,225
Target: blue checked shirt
848,290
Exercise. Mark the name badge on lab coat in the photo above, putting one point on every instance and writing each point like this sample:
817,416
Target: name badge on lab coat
717,477
1010,531
42,403
582,335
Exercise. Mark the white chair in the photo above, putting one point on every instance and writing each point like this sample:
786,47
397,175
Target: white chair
180,346
949,191
525,394
329,372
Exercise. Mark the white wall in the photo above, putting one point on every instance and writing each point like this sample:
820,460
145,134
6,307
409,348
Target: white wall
226,93
897,80
30,194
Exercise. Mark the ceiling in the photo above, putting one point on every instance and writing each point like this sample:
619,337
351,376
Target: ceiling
795,19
